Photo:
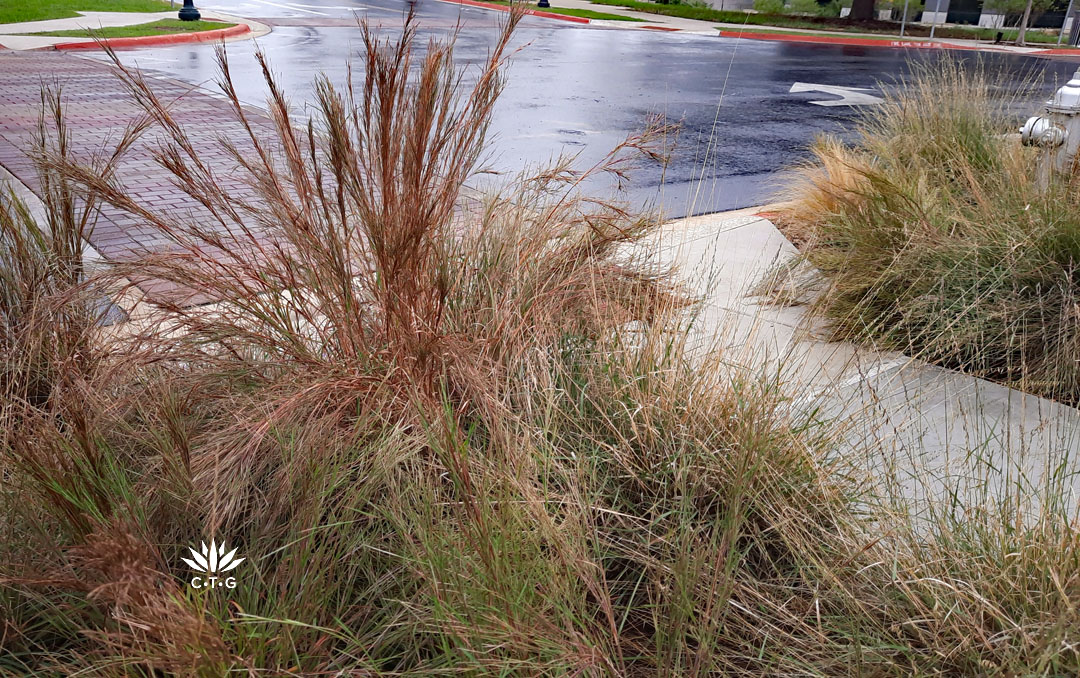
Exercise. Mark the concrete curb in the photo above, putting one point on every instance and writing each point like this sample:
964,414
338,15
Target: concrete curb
1057,52
158,40
897,43
838,40
530,12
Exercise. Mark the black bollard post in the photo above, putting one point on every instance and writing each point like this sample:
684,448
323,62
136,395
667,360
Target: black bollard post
188,11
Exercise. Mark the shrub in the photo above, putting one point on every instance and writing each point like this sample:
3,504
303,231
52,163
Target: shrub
804,7
769,6
830,9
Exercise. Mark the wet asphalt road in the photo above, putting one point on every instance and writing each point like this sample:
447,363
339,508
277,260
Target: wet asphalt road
581,89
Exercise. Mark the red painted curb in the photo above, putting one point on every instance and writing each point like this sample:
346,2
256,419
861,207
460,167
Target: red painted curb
155,40
836,40
1058,52
870,42
532,12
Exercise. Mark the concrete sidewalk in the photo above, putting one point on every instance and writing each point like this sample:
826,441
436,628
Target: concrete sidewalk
15,36
91,20
946,432
669,22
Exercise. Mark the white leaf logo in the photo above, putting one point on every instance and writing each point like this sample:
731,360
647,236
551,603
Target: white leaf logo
212,560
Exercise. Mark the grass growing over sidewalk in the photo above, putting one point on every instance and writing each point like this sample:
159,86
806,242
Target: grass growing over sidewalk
820,23
447,444
40,10
936,238
163,27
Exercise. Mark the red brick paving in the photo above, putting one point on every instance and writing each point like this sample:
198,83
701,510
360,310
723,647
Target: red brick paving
98,110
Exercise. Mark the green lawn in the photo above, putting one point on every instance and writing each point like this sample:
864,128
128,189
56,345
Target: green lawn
891,28
583,13
710,14
14,11
163,27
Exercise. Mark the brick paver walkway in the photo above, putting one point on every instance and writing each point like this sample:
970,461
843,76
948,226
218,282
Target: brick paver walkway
98,109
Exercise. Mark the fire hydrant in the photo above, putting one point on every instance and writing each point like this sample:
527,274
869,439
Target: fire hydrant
1058,130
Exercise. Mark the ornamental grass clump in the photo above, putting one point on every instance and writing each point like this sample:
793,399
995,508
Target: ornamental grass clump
936,236
448,434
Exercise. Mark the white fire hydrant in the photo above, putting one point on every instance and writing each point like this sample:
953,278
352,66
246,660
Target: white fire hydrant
1058,130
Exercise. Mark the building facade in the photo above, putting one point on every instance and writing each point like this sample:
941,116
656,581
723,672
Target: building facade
971,12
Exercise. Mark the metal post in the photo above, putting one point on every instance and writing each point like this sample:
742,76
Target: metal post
188,12
903,19
1064,21
933,24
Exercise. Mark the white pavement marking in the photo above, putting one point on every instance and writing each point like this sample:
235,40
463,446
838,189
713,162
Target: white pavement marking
851,96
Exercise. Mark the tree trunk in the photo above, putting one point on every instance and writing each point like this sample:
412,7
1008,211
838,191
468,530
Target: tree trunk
1024,24
861,10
